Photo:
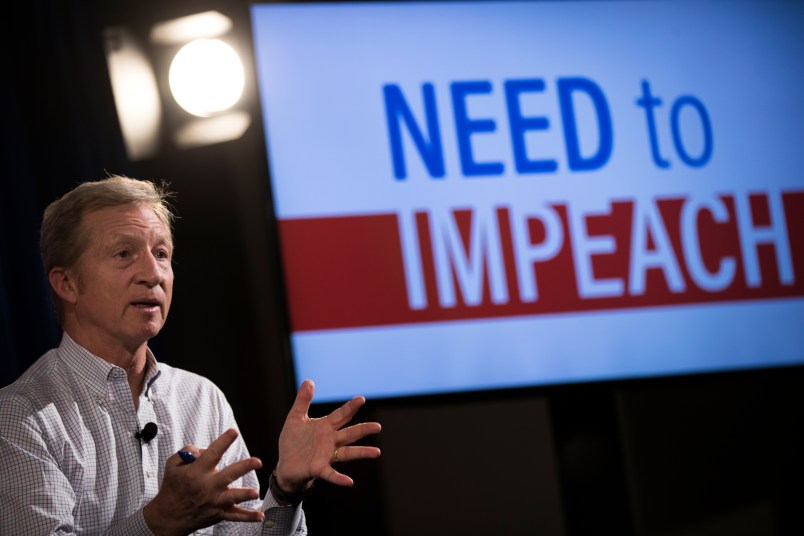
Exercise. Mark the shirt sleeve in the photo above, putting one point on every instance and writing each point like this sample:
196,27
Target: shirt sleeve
287,520
36,497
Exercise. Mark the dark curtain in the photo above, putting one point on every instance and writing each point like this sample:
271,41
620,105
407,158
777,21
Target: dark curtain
59,128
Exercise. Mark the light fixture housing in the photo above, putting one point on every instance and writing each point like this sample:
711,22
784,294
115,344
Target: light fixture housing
178,83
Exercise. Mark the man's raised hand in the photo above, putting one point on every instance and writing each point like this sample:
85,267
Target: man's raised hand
309,447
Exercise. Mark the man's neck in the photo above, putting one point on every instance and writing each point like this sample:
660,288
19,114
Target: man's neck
133,360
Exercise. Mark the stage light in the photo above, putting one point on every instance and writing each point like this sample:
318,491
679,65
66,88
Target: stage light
206,77
177,83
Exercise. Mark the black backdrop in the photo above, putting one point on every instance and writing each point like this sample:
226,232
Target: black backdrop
716,454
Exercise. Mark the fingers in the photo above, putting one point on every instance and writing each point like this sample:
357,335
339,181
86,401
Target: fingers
208,459
339,417
339,479
232,472
238,513
357,432
344,414
235,496
230,511
177,460
212,455
348,454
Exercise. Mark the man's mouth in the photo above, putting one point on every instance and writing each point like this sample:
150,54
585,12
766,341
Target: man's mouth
146,304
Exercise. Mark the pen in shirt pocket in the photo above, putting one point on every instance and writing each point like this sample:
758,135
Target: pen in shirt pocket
186,457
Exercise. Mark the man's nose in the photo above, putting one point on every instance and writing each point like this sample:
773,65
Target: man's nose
149,271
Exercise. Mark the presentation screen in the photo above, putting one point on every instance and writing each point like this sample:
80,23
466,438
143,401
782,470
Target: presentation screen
476,196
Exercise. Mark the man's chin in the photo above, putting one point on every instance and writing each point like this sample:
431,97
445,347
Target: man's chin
149,331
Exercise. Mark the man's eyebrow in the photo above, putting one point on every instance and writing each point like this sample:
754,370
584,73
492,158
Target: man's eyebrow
132,238
166,239
118,239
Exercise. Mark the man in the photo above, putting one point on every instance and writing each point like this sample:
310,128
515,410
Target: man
97,437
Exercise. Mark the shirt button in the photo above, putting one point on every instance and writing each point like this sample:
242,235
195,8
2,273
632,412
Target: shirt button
148,474
269,524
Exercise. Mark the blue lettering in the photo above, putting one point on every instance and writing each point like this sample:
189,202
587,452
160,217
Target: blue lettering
706,154
398,111
576,162
648,102
466,127
520,125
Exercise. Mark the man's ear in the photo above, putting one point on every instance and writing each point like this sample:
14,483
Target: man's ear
64,284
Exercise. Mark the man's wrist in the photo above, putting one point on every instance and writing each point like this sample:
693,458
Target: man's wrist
286,497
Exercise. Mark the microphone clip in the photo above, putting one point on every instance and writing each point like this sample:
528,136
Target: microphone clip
147,433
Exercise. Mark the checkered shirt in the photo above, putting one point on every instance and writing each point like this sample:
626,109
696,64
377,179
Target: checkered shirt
71,464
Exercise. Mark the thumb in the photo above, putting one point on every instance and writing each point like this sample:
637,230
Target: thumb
303,400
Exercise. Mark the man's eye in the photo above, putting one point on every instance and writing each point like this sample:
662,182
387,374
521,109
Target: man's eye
124,254
162,254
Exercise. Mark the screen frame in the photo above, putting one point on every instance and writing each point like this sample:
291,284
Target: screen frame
614,383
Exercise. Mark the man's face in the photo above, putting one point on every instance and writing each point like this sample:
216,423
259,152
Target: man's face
125,278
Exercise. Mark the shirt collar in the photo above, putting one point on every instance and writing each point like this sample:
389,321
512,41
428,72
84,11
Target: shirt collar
96,371
152,372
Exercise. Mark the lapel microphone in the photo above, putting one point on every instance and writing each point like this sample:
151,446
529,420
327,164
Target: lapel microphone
147,433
